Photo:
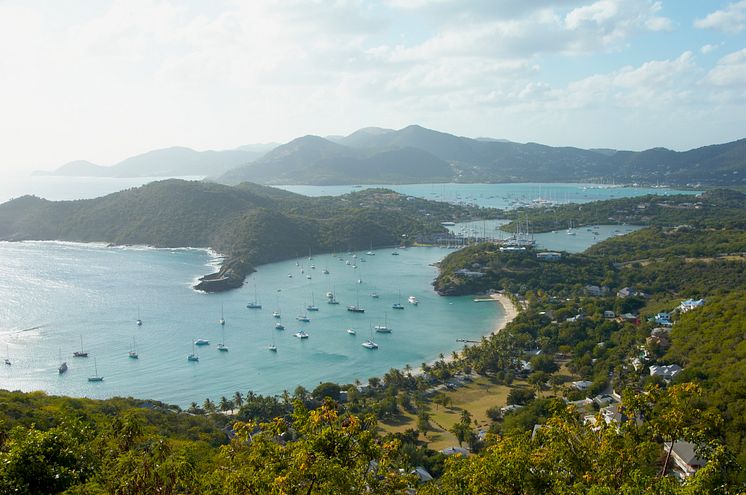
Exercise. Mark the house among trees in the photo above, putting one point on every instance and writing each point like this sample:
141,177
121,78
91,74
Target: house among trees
685,459
667,372
691,304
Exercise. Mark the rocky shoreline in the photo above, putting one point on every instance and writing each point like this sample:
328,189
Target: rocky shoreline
231,275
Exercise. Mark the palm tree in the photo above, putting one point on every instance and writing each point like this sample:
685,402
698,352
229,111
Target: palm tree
225,404
193,408
208,405
238,399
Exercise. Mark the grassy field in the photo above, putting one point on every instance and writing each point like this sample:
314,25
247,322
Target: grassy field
476,398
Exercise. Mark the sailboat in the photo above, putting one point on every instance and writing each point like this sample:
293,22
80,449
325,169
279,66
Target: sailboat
279,326
272,347
369,344
371,253
356,308
221,345
331,298
81,352
301,334
96,377
63,367
398,304
222,317
133,352
7,356
193,356
351,331
139,320
312,306
303,317
255,304
276,313
385,327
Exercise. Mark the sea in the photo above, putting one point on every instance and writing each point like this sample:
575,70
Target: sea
58,298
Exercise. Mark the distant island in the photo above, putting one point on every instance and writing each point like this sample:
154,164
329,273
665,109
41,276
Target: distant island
415,154
249,224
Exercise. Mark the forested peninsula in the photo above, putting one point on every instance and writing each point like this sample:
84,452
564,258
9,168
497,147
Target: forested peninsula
248,224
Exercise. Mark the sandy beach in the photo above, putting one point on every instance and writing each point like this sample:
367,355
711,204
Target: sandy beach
509,308
510,311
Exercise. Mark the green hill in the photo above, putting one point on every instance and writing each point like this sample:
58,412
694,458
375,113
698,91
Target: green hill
250,224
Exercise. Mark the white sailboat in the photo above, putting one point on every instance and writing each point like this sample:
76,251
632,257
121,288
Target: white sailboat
279,326
351,331
221,346
193,356
139,320
312,306
369,344
255,304
371,253
133,352
96,377
276,313
303,317
301,334
272,347
385,327
222,317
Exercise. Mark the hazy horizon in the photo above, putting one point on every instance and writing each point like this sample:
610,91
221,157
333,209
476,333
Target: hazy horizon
103,81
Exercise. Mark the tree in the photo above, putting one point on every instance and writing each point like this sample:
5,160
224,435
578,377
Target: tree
423,422
332,454
543,362
327,389
208,406
520,396
225,404
238,399
34,461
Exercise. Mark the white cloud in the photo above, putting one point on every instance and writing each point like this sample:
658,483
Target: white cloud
731,19
708,48
134,75
730,71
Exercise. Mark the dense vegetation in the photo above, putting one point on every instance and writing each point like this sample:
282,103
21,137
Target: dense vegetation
552,440
101,447
250,224
716,209
692,250
710,344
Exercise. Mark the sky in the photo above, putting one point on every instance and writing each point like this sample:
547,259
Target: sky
103,80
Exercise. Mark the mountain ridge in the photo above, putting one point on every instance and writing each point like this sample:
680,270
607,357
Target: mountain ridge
376,155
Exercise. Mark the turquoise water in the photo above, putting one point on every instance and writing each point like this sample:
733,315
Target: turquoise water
499,195
54,293
559,240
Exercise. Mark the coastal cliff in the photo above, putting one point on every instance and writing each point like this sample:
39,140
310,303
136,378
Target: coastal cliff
231,275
